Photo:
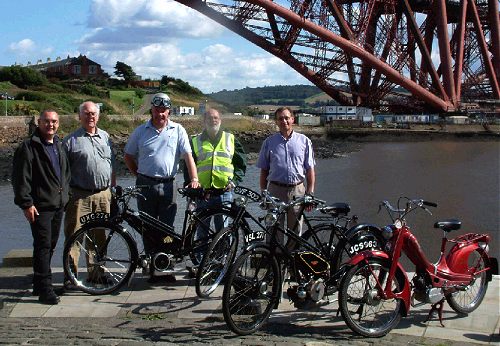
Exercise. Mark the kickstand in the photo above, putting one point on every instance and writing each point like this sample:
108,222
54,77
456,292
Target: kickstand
439,308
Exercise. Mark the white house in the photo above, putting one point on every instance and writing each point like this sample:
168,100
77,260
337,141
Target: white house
330,113
183,110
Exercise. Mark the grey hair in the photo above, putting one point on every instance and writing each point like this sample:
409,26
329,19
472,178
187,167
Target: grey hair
80,108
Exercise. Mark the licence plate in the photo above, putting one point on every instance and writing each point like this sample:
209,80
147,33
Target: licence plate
94,216
255,236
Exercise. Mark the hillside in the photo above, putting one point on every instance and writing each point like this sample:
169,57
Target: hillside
290,95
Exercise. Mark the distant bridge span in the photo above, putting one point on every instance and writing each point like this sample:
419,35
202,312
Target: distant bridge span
377,53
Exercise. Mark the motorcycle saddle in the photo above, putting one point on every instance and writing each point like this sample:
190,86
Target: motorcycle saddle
448,225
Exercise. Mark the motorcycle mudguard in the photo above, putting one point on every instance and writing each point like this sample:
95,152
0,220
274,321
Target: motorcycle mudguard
458,257
401,276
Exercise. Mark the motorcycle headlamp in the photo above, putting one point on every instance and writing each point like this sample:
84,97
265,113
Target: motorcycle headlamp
270,218
387,232
240,201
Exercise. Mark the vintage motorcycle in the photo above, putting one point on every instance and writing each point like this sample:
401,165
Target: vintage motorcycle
375,292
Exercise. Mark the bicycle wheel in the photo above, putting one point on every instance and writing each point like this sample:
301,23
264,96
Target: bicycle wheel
363,310
251,291
468,299
99,259
216,262
210,222
322,236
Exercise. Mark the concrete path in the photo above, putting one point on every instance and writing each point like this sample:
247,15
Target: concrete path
174,314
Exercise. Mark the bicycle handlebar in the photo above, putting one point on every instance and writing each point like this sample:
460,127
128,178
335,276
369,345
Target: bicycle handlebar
411,204
306,199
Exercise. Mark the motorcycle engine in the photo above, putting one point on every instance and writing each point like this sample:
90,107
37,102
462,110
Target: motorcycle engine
425,292
162,263
313,290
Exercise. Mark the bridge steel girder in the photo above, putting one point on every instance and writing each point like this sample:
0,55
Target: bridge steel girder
467,65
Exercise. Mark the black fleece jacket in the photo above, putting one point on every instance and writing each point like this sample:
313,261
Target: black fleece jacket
33,178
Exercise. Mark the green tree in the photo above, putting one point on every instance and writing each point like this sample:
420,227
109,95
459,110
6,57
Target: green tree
23,77
125,71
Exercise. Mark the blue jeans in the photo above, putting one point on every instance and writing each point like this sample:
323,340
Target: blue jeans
159,203
213,203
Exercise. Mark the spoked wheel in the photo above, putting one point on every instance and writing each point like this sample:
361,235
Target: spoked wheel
468,299
362,308
99,260
211,221
216,262
251,291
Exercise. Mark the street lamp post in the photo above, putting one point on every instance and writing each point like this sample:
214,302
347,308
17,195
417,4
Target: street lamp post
6,98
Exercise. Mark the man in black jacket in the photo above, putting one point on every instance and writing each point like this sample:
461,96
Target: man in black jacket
40,179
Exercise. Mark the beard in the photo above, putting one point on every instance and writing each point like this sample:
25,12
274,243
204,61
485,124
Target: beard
212,130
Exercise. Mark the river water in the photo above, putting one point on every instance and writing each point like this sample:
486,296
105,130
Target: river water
461,177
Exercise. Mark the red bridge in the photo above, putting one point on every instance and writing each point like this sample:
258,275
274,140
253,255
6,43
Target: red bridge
434,55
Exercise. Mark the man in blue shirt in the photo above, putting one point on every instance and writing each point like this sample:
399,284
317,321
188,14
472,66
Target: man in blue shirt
90,154
286,162
152,154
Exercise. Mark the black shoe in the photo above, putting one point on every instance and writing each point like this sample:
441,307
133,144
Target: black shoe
167,279
59,291
49,298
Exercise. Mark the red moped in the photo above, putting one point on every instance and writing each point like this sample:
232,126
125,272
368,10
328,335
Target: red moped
375,291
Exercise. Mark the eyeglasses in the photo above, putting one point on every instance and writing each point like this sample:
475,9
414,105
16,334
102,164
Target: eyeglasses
161,102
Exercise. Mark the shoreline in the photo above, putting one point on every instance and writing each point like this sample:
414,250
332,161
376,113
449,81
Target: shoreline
327,142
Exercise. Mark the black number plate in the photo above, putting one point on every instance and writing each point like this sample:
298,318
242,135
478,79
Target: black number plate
363,245
243,191
94,216
255,236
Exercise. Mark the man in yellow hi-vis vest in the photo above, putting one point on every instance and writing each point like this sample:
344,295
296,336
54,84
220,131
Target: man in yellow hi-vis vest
220,161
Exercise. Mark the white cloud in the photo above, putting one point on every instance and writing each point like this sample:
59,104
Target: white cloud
163,37
132,24
22,47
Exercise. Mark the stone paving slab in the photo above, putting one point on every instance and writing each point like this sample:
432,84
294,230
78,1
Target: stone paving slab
174,314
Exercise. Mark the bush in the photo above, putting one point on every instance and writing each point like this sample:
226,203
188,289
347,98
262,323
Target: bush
23,77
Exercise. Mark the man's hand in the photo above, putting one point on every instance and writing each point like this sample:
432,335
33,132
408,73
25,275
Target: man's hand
194,184
30,213
230,186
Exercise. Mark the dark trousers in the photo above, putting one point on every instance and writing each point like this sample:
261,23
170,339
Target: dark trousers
45,231
159,203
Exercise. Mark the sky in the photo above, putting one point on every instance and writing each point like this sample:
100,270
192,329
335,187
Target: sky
155,37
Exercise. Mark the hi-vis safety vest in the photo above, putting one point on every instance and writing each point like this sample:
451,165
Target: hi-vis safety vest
214,165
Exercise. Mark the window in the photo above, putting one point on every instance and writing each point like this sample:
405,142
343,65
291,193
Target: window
92,69
77,69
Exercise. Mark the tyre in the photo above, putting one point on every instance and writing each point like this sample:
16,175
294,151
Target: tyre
99,260
362,308
251,291
322,236
216,262
468,299
210,222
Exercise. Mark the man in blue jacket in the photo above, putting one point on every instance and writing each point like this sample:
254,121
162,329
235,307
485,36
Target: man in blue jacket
40,179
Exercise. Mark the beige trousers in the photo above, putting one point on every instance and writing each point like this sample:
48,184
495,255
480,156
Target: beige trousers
286,194
82,203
